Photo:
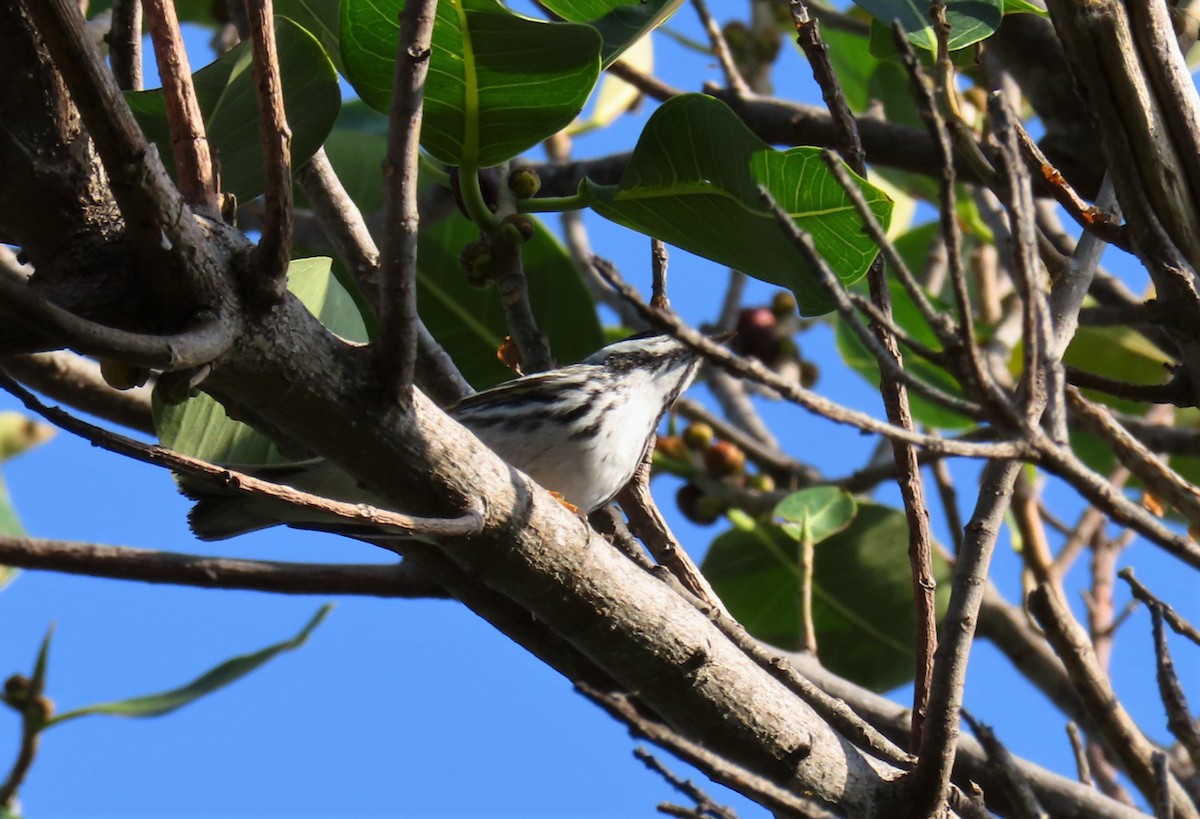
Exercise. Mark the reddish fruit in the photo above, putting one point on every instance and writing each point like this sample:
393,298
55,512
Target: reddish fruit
671,446
724,459
756,334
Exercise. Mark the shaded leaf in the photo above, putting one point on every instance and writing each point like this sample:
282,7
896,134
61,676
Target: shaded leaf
230,671
319,18
225,90
200,426
482,104
692,181
862,592
1117,352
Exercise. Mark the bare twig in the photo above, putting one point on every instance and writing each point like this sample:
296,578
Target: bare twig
931,778
733,77
648,524
652,87
1119,730
761,790
268,279
1020,794
150,566
470,522
348,233
76,381
193,160
705,806
125,44
1179,716
658,268
1081,761
512,285
396,348
1174,620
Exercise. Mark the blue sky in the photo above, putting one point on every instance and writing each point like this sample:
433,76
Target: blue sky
416,708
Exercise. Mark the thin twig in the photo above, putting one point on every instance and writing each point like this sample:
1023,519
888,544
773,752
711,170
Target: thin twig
733,77
193,159
470,522
1116,726
77,382
658,269
705,805
348,233
150,566
268,277
1082,768
931,778
888,365
125,44
1179,716
1173,618
512,286
761,790
396,348
949,497
648,525
1020,794
785,469
652,87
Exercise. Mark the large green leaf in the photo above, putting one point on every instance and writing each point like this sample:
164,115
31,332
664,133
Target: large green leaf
970,20
469,322
200,427
692,181
225,90
320,18
862,592
498,83
1119,353
230,671
620,22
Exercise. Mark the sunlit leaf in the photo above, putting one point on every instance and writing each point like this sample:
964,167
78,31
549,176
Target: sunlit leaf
821,511
482,106
692,181
226,92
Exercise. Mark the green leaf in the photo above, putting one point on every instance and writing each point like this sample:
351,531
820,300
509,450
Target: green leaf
1024,7
1116,352
498,83
970,20
821,510
230,671
469,322
200,427
320,18
225,90
862,592
620,22
692,181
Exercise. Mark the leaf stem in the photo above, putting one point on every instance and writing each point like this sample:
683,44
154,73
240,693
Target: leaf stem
552,204
472,196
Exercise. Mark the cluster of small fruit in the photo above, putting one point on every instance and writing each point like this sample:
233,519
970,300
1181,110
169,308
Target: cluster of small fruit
766,332
709,464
